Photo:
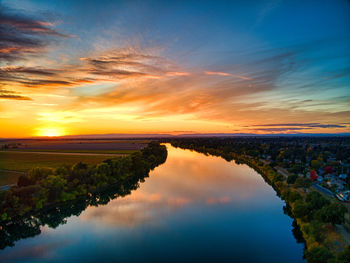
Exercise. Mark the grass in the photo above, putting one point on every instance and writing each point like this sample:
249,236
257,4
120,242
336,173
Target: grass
13,162
17,161
8,177
73,151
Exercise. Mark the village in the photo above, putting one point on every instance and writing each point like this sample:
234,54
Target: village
327,165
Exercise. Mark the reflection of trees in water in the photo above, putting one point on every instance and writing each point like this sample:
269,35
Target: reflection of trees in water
298,235
54,216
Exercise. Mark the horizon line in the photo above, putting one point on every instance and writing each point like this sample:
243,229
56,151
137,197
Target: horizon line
165,135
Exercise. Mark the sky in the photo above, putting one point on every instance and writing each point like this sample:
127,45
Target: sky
174,67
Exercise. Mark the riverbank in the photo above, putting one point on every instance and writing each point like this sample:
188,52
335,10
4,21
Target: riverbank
323,243
45,187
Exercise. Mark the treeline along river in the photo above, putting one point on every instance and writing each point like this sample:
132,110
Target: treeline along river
192,208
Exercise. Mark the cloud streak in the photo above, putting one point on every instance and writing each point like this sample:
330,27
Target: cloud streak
11,95
308,125
227,74
21,35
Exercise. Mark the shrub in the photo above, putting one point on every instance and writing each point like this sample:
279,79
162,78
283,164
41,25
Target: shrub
292,178
316,201
344,256
318,255
300,209
332,213
301,182
314,229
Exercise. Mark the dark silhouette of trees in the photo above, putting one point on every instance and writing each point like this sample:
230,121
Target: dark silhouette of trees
332,213
318,255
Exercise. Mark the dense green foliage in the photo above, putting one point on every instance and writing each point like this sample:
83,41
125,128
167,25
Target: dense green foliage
344,256
292,178
318,255
42,187
332,213
302,182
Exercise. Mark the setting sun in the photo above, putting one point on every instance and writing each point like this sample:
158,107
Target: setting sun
50,132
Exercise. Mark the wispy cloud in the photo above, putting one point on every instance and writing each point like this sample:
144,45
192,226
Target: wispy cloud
110,66
273,130
21,35
174,74
11,95
227,74
309,125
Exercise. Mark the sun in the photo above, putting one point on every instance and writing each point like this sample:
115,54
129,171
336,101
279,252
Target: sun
50,131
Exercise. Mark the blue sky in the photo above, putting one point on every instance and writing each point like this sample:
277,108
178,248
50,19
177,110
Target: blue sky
229,64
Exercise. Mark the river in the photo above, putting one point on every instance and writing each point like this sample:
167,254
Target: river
193,208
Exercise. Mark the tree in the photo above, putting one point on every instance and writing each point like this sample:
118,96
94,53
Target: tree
291,196
292,178
316,201
318,255
39,173
297,168
55,185
300,209
316,164
24,180
315,230
344,256
332,213
294,196
302,182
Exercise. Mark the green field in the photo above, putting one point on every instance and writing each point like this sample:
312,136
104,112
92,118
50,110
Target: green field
23,155
16,161
74,151
8,177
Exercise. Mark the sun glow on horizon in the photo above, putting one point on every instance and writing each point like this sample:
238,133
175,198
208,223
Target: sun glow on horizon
51,132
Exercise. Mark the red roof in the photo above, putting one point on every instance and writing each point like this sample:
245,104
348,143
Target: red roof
328,170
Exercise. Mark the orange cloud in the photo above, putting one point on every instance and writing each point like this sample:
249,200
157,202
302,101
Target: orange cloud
217,73
174,73
226,74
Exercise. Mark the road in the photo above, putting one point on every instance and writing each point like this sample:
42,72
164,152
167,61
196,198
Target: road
282,171
12,171
6,187
323,190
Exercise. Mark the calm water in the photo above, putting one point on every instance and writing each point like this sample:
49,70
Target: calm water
193,208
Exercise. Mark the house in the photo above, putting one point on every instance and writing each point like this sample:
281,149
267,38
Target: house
328,170
339,184
344,196
343,176
332,159
320,179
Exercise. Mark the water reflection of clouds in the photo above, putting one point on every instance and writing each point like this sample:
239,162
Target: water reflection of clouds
134,209
187,178
32,252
